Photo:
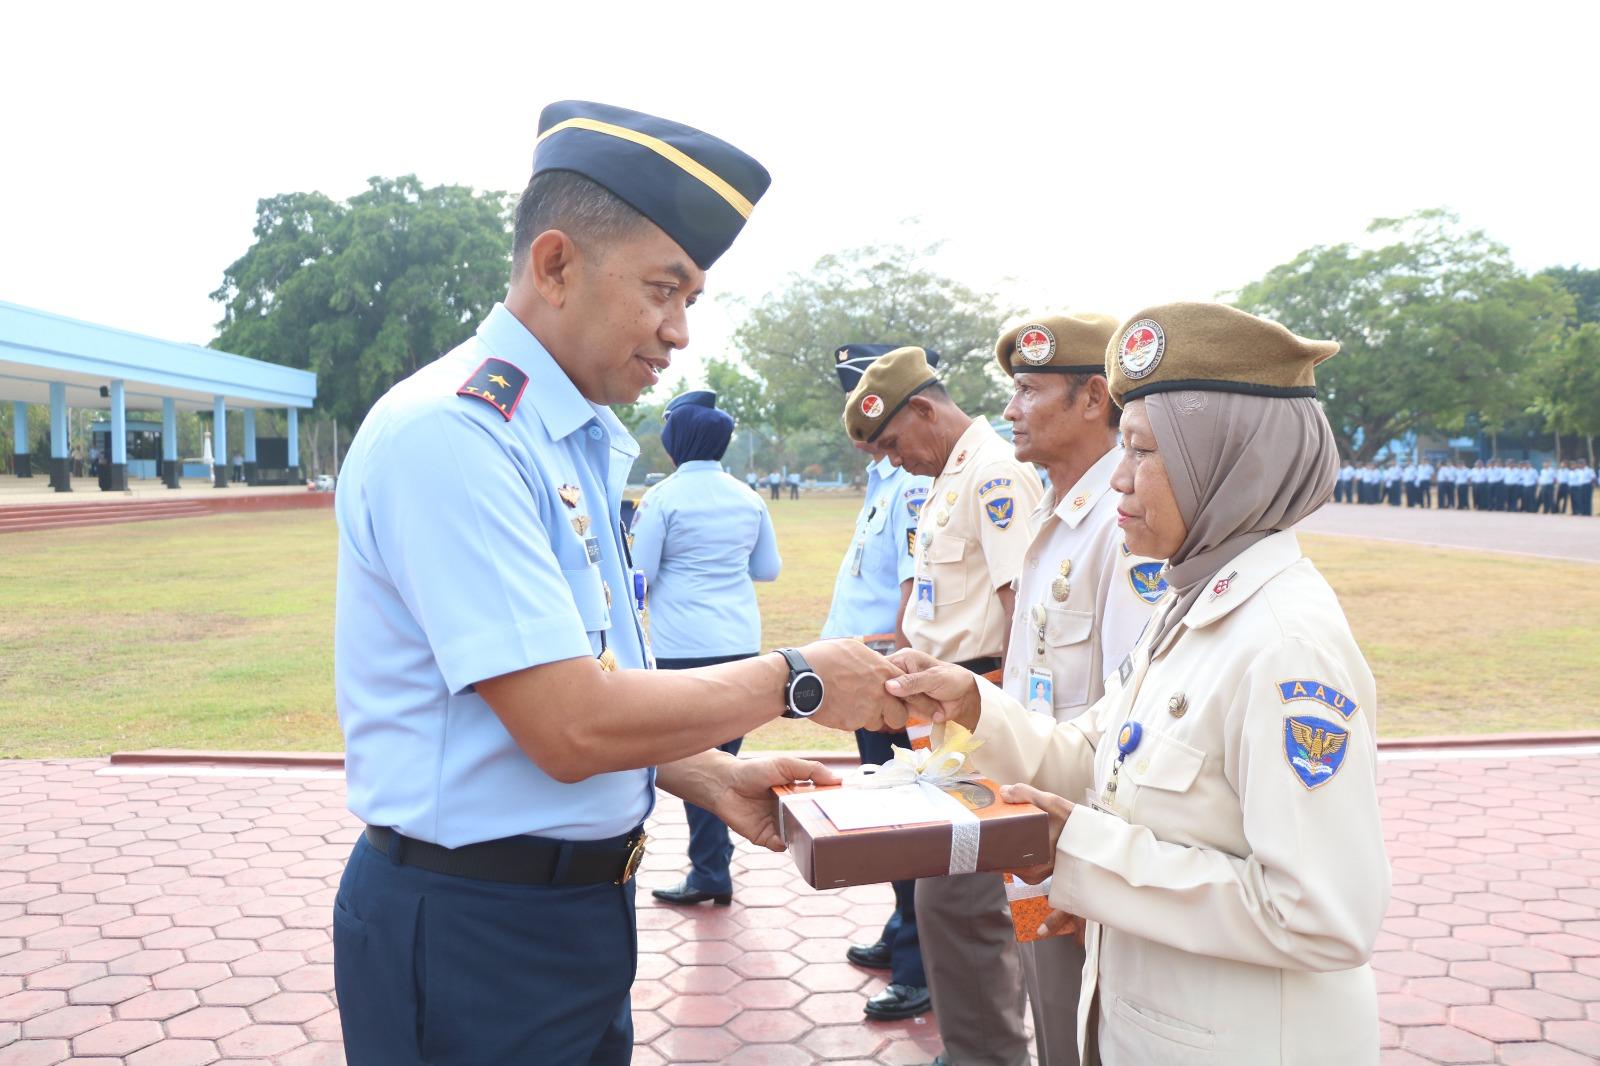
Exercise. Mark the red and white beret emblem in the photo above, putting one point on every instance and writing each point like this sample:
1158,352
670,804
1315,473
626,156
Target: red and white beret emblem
872,405
1036,345
1140,351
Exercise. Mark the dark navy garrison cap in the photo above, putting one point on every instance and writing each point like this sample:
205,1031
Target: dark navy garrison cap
697,188
852,360
695,398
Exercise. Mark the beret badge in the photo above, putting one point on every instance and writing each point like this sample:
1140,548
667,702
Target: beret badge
1139,352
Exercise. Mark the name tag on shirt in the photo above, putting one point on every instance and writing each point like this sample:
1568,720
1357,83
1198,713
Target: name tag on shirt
924,592
855,557
591,548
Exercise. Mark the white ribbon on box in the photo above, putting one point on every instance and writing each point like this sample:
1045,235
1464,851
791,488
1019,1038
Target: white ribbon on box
930,772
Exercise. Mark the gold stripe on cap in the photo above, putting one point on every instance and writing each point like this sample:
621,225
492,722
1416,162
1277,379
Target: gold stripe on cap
666,151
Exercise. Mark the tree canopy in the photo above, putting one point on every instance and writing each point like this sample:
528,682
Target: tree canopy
783,380
365,291
1437,328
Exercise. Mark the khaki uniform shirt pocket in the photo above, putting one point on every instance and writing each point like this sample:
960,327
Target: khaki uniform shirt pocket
1163,769
1070,654
947,567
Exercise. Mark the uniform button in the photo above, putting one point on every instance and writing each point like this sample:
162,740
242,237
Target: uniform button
1033,564
596,432
1011,671
1144,764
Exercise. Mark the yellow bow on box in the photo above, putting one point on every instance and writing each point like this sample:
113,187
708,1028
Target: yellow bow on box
941,766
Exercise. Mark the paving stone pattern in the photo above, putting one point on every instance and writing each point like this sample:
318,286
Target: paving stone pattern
182,920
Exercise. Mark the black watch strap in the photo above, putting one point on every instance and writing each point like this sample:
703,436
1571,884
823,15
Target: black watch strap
798,669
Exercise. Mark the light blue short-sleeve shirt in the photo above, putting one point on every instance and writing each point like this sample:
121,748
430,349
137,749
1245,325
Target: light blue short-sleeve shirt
473,545
702,538
881,554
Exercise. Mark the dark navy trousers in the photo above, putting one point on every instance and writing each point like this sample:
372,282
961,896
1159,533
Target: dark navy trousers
710,847
451,971
900,931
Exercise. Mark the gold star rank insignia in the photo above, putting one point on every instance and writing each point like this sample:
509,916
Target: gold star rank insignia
496,372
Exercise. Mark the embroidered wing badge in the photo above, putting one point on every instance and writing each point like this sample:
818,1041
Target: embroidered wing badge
1000,510
1315,749
1147,582
914,499
498,384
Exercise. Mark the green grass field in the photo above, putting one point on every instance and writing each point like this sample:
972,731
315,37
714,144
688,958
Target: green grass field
217,632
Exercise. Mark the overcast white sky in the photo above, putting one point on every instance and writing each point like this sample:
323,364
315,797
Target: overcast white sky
1098,157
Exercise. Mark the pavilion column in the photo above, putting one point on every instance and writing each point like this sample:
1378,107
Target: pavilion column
294,438
169,442
60,464
22,461
219,441
119,438
249,445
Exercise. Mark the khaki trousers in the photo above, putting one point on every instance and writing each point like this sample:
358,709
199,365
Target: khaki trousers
969,949
1052,970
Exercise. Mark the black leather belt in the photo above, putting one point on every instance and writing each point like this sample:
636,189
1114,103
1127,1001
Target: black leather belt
520,860
985,665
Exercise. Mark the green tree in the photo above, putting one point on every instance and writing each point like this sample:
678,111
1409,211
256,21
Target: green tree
1437,325
1584,285
366,291
1568,386
783,381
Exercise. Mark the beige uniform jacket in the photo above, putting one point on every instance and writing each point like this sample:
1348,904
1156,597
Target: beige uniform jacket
1082,599
1236,893
971,538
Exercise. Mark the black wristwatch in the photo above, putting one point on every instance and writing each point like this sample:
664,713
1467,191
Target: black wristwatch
803,694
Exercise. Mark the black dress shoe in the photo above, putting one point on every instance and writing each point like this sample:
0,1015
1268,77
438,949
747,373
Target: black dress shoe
682,893
870,956
899,1001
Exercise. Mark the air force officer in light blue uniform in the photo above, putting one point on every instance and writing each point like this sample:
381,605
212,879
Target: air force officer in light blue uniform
702,538
503,738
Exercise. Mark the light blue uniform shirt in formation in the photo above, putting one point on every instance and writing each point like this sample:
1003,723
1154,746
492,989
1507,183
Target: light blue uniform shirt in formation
460,559
881,555
701,537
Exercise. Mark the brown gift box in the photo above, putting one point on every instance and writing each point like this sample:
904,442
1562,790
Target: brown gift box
1011,836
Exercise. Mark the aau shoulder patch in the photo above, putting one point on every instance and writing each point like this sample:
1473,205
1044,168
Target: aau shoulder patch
1315,749
1000,510
498,384
1318,692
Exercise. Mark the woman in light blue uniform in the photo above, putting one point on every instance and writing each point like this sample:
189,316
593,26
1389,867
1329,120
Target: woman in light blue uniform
702,539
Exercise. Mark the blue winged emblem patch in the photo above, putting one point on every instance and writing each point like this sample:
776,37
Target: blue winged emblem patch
1000,510
1315,748
1147,582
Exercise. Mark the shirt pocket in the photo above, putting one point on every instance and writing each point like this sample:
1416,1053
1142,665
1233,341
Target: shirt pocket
1069,654
879,519
589,596
1169,765
947,567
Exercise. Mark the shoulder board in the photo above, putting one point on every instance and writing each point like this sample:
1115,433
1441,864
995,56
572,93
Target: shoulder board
498,384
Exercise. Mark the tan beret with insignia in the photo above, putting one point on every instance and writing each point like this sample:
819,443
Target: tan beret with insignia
1211,348
1056,344
883,390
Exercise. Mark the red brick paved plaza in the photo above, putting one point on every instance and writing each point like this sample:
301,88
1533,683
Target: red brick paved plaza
176,918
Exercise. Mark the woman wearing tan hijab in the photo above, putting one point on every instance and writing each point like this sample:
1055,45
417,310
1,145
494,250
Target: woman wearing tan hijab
1216,812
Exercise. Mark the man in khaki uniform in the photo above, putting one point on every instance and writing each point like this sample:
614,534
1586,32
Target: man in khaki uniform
972,536
1082,596
1229,853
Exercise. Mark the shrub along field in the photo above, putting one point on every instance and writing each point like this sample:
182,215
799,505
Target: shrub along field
218,632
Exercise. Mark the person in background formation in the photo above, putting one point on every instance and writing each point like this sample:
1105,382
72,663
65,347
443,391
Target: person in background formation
1447,485
1082,597
504,736
750,480
701,540
870,595
971,539
1463,496
1393,479
794,484
775,483
1215,815
1347,478
1499,488
1545,487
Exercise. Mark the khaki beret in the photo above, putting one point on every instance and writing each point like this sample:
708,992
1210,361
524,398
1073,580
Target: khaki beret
1056,344
1210,347
883,390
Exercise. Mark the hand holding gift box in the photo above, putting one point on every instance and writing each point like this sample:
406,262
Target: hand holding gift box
923,814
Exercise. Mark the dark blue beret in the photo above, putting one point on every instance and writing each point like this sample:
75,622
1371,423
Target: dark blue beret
852,360
695,398
697,188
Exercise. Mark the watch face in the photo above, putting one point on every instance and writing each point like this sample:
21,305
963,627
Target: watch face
807,693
